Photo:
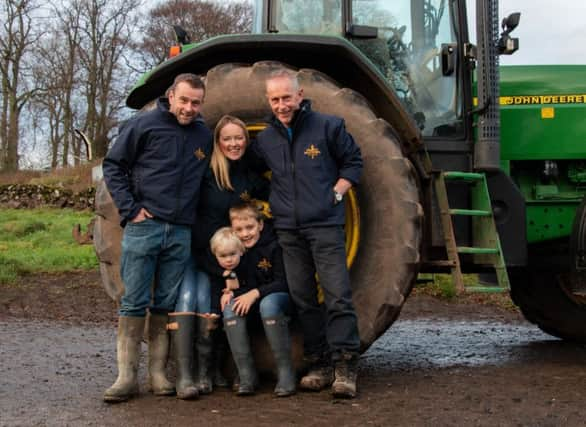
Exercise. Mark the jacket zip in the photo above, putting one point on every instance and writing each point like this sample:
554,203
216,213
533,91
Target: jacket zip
179,185
298,119
292,154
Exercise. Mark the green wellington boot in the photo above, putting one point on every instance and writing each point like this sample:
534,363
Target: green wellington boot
158,355
183,334
130,331
240,346
277,332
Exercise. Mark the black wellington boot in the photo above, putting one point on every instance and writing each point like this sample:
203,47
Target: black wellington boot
206,327
220,349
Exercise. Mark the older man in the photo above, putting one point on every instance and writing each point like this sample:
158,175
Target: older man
314,162
153,173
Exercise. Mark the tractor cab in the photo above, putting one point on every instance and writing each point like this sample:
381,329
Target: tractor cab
412,43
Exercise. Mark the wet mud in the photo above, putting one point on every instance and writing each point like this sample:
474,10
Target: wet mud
441,364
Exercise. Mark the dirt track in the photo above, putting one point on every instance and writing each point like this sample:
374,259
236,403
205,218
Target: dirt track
441,364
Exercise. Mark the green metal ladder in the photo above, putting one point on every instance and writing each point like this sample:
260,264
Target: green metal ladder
487,247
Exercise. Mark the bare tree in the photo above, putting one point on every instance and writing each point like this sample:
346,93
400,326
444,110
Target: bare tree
56,72
16,40
82,75
76,62
105,33
201,20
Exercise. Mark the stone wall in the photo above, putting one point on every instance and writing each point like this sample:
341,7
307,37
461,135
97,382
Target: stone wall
26,196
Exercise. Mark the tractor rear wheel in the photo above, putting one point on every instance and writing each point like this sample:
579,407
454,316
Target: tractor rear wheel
387,217
555,301
548,300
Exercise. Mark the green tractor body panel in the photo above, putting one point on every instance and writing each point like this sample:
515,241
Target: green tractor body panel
543,143
542,112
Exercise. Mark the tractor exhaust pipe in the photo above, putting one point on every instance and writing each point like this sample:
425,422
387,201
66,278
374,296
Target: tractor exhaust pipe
487,147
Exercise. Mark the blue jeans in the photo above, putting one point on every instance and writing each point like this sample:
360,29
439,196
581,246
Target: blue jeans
194,292
272,305
152,250
321,249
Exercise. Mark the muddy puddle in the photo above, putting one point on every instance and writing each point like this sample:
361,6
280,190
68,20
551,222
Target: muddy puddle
427,344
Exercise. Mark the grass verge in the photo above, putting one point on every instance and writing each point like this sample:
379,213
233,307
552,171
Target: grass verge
40,240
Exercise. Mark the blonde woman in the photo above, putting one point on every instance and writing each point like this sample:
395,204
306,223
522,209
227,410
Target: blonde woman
229,181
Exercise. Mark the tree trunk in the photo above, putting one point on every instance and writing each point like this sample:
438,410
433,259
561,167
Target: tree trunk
11,163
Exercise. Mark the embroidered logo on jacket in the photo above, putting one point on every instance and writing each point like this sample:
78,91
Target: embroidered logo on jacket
245,196
199,154
264,264
312,151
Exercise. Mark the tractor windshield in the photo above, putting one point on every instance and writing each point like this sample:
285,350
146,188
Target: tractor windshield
407,51
308,16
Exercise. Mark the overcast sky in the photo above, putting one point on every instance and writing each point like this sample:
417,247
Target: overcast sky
550,32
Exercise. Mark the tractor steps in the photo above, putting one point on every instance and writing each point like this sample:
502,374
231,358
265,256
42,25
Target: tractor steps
487,248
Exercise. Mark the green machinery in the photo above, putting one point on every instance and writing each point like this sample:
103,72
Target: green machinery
543,144
448,160
543,150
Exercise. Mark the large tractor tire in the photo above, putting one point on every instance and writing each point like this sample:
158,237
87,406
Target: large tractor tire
107,242
555,301
547,299
386,217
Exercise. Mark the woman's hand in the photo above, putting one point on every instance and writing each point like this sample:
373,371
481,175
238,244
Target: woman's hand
242,304
225,299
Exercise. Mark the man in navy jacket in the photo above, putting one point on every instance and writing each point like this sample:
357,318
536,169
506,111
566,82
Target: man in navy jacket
153,173
314,162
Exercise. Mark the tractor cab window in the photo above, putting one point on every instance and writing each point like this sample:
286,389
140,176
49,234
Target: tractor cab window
408,51
308,16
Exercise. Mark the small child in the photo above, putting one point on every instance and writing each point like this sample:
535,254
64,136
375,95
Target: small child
261,289
227,248
210,341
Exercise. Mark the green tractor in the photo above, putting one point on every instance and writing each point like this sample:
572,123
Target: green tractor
543,150
439,193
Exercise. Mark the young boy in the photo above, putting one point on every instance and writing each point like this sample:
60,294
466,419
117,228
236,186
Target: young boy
261,289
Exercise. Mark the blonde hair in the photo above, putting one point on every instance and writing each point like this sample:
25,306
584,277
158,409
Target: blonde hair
219,162
225,238
246,210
